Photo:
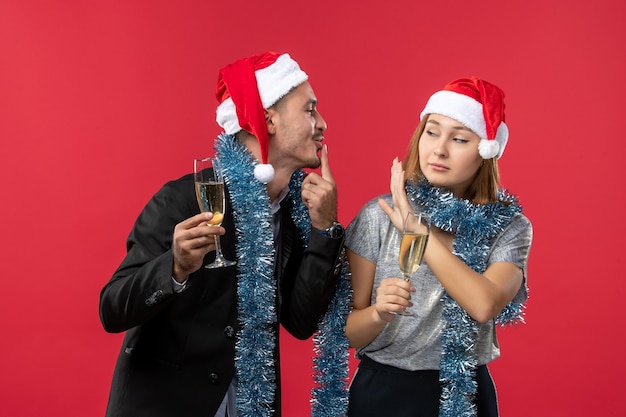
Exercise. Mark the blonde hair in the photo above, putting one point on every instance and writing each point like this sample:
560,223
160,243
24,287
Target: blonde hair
482,190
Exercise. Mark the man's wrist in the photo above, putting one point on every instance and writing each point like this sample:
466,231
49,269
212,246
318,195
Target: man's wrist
335,230
179,286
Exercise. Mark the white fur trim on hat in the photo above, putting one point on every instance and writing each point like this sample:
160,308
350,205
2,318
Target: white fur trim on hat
226,117
276,80
468,112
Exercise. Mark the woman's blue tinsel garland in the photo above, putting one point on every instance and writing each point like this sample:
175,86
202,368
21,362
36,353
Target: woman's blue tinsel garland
256,294
474,226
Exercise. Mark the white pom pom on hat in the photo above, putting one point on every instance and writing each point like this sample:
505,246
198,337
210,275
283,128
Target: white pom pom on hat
247,87
264,172
478,105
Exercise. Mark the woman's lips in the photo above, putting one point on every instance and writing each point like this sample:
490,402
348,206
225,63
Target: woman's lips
438,167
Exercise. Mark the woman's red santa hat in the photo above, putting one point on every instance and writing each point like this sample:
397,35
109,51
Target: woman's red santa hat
249,86
479,106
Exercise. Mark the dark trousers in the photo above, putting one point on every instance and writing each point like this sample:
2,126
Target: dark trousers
382,390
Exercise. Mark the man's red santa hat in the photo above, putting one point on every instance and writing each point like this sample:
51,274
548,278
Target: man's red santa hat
479,106
247,87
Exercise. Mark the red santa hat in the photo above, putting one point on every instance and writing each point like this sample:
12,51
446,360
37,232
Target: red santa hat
247,87
479,106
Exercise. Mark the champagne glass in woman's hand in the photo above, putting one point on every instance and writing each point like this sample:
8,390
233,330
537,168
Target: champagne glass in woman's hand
416,228
210,194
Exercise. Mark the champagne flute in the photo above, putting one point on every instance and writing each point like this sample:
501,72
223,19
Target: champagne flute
416,228
209,182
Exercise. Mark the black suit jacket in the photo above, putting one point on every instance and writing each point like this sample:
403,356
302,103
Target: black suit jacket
177,358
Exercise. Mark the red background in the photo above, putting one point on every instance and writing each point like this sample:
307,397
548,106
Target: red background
101,102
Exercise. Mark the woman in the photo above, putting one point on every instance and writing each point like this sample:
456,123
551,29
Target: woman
473,274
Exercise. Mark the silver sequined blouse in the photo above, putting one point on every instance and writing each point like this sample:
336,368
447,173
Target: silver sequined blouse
413,342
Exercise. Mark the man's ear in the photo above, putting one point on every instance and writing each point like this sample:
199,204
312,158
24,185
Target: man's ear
270,119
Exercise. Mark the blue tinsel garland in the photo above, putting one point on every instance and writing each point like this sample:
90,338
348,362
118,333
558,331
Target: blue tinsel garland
474,227
256,294
329,396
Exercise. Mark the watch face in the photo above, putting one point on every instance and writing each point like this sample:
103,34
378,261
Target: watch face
336,230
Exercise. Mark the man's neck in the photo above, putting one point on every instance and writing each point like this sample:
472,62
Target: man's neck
282,175
279,183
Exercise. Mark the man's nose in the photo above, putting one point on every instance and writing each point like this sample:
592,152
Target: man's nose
320,123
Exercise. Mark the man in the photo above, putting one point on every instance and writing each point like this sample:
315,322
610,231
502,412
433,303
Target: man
204,342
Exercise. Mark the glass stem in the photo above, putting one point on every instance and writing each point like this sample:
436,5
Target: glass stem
218,248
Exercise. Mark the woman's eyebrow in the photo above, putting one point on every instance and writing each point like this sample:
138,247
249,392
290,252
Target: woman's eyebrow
459,127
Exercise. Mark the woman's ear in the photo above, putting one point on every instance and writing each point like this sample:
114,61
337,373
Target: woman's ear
270,115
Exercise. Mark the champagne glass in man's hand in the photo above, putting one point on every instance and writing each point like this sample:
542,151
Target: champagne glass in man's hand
210,195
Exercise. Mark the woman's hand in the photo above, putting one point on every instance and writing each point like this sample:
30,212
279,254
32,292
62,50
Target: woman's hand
401,205
393,295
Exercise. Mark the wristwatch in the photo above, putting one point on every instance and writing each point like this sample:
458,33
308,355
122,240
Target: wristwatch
335,230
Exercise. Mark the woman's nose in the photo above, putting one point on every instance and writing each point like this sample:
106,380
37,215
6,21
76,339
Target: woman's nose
440,150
